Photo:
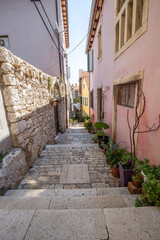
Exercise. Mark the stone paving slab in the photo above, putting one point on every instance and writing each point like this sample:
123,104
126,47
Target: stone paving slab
30,203
130,199
14,224
75,173
51,170
68,225
133,223
90,202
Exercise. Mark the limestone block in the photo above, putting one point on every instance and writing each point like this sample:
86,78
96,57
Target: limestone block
7,68
29,123
24,143
14,108
13,168
9,79
17,140
18,127
5,55
11,96
14,117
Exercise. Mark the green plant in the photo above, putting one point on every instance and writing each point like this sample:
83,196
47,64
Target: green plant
151,171
70,121
128,160
49,82
114,156
60,79
151,193
88,124
101,125
75,100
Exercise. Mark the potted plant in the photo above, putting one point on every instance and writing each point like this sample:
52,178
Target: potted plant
126,168
151,192
114,156
102,136
88,125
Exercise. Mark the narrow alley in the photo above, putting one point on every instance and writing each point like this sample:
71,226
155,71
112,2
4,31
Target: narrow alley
74,162
69,194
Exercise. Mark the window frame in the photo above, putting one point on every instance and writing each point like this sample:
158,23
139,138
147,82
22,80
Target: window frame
99,36
123,37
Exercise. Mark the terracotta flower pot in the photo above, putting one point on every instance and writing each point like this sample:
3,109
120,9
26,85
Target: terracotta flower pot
115,172
137,184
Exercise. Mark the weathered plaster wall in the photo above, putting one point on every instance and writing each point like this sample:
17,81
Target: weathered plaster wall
27,102
143,54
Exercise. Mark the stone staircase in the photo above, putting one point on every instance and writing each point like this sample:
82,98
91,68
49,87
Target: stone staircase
69,194
97,213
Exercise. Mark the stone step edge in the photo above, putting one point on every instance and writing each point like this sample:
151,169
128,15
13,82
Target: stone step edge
75,145
82,202
72,192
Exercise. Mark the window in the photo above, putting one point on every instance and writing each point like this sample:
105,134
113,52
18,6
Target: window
4,41
83,85
92,99
100,43
126,94
130,23
87,102
83,100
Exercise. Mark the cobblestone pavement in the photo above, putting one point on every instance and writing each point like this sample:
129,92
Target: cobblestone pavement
74,162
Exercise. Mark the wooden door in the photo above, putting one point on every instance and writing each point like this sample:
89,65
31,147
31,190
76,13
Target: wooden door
55,104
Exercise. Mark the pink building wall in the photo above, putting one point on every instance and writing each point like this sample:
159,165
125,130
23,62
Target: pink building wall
143,54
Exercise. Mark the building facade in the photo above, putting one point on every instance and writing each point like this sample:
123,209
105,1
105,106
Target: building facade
24,33
124,39
84,92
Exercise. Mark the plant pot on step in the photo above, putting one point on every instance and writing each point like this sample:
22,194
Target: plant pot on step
115,172
137,184
102,139
125,175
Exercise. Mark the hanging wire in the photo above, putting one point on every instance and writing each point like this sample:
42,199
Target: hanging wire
78,44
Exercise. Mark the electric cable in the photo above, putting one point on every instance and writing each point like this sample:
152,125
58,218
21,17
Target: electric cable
46,27
78,44
50,22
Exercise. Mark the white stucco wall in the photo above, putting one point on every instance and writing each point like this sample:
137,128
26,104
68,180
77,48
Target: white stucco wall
28,36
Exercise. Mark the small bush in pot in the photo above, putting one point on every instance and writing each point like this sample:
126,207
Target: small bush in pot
126,168
88,125
114,155
102,136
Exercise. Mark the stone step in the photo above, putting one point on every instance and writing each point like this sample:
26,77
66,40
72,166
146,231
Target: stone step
59,203
116,224
69,192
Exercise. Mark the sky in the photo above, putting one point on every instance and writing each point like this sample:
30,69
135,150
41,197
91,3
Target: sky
79,13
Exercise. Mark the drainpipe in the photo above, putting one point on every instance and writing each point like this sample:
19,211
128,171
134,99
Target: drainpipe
60,65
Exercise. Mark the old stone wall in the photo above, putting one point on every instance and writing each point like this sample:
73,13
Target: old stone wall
27,100
12,169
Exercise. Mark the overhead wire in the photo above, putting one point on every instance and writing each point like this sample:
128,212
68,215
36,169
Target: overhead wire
78,44
47,27
49,21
